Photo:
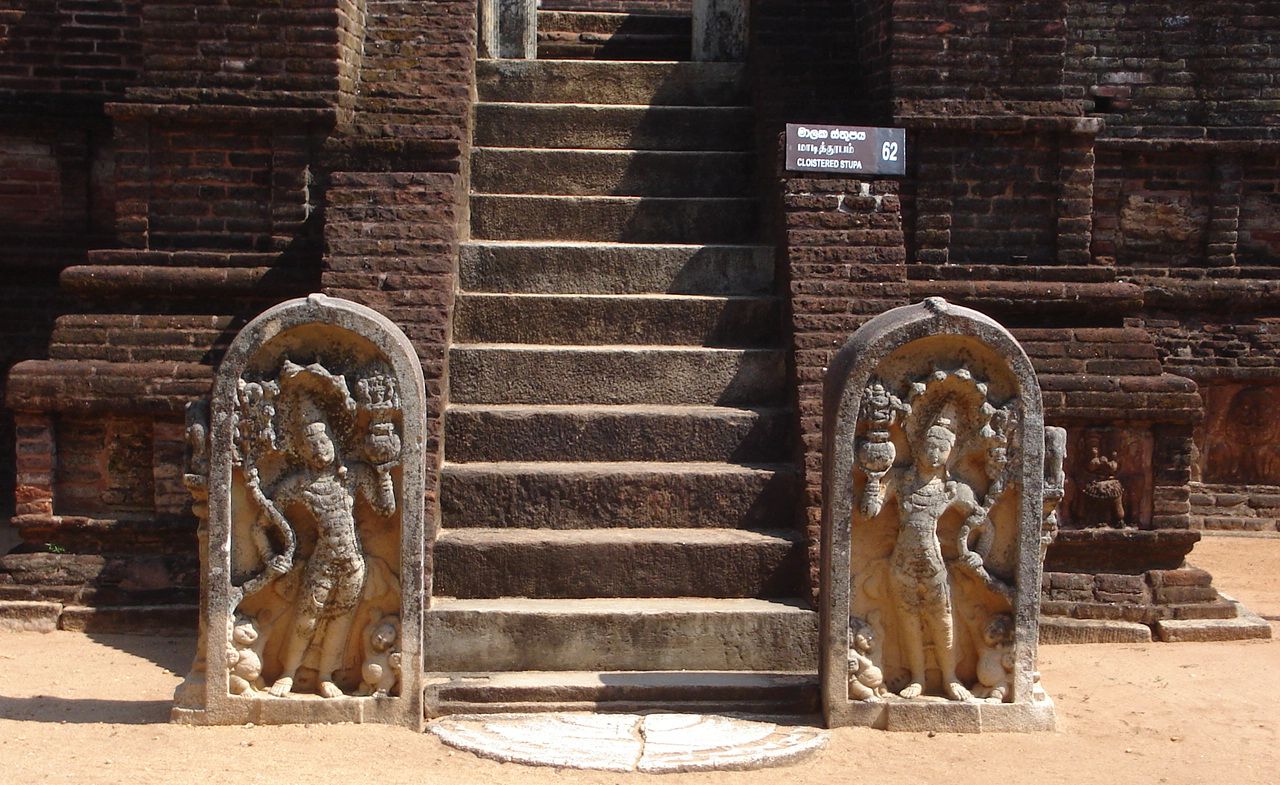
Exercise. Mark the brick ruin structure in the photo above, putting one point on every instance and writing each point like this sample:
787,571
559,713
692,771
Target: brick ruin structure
1102,178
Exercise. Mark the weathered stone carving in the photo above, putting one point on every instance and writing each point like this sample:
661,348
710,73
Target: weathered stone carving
995,662
1101,498
941,486
866,682
335,452
315,551
382,661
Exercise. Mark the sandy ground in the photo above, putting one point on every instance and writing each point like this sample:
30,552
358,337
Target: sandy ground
93,709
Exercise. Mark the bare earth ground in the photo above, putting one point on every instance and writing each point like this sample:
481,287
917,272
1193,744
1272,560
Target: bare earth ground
93,709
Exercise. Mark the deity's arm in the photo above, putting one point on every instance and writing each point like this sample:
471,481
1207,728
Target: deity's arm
377,486
286,492
976,520
876,492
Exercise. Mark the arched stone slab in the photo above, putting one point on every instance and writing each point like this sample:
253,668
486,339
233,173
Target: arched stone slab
938,503
314,582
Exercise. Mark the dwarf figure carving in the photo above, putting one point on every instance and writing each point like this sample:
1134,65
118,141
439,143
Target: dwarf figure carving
866,682
995,663
381,669
243,657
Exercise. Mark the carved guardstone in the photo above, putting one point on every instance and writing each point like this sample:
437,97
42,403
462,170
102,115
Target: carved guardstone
940,491
308,478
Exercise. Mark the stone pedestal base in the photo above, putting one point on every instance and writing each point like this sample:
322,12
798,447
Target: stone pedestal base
944,716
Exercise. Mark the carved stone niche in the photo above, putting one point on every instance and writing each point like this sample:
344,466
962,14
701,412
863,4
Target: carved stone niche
313,578
940,484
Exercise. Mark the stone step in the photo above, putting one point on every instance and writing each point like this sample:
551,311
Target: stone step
519,170
574,563
616,319
592,432
612,127
613,22
615,46
612,634
624,219
614,82
622,691
534,374
568,35
615,268
632,494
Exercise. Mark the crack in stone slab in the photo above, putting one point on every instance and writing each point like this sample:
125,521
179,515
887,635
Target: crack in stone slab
653,743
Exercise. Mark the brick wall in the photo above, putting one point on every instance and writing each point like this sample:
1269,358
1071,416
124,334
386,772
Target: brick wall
973,197
997,56
246,51
224,181
396,188
1168,68
845,262
626,6
51,49
1235,507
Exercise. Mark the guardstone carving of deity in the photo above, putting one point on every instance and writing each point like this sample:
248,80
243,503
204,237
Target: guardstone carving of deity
314,560
939,501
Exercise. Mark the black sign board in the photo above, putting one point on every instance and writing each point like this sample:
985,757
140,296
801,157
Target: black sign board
844,149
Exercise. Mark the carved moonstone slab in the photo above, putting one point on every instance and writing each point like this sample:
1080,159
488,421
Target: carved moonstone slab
313,580
940,484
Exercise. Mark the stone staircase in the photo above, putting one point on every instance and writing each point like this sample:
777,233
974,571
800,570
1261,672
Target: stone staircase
618,495
582,35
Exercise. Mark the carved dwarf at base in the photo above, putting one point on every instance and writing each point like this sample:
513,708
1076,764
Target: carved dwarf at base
244,657
995,663
866,682
381,669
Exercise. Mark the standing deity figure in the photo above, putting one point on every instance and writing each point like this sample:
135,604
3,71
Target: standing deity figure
923,491
334,575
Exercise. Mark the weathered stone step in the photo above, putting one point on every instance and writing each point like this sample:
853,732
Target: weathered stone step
683,691
613,46
625,219
616,268
635,494
616,319
598,126
579,35
613,634
518,170
613,22
575,433
615,82
522,373
551,563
